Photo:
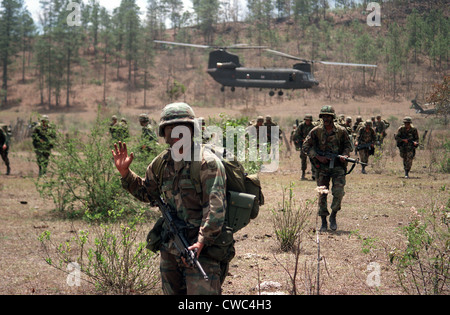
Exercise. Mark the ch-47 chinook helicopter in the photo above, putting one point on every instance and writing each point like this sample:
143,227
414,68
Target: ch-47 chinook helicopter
226,69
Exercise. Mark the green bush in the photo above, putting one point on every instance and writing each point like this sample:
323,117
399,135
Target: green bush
82,179
290,220
445,163
422,266
110,256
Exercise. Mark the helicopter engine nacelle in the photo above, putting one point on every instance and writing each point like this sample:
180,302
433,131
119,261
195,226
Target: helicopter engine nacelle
305,67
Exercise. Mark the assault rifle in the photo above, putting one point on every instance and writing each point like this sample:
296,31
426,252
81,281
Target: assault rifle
364,146
410,142
177,230
333,156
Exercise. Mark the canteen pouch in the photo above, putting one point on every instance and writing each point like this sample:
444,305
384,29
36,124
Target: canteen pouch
239,209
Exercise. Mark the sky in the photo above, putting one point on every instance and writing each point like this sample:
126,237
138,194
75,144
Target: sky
34,6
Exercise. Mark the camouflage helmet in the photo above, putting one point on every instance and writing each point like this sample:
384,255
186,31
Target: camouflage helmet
368,122
176,113
260,118
407,119
44,118
327,110
358,118
143,117
308,116
349,119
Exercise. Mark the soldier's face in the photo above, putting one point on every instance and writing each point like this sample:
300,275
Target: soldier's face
172,134
308,122
327,120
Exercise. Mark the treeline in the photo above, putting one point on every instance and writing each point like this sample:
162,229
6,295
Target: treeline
58,56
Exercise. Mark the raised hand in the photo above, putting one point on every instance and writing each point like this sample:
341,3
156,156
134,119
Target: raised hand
121,158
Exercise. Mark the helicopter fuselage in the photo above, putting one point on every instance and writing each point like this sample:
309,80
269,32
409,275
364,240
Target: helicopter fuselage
262,77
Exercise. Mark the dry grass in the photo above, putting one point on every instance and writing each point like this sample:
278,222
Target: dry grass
374,207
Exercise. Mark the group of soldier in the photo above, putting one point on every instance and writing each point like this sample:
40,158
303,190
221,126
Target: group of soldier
119,131
200,206
364,136
44,137
331,136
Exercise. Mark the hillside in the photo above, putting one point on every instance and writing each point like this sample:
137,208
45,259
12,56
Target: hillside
378,210
333,38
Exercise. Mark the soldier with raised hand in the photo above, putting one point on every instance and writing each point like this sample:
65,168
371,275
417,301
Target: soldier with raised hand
5,137
365,143
329,137
299,137
407,141
44,137
202,210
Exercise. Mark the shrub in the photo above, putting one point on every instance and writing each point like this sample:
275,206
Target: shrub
109,256
422,266
290,220
82,180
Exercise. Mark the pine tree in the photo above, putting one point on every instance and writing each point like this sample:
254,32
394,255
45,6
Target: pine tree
9,39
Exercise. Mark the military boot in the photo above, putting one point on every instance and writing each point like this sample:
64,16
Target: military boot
324,226
406,174
8,170
303,175
363,169
333,225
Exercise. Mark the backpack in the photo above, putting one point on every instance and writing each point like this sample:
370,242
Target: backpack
244,193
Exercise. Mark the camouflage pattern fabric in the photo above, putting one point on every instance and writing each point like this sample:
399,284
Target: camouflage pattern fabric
365,137
44,137
5,139
299,136
407,150
192,282
203,213
337,141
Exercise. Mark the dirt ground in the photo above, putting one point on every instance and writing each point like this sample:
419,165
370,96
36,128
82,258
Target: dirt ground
375,206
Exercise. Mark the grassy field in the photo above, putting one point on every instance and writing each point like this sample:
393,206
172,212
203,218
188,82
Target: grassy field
375,208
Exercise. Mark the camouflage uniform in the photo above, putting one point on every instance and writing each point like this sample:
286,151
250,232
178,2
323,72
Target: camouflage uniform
203,212
365,137
148,136
337,141
5,140
44,136
299,137
407,150
380,130
269,124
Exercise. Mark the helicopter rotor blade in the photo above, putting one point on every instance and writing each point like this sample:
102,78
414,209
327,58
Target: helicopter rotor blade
318,61
181,44
235,46
244,46
285,55
344,64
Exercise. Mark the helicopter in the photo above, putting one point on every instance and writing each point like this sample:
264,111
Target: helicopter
420,110
226,69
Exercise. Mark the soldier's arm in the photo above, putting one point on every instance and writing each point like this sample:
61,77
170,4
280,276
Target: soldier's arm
308,147
347,144
415,135
213,181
